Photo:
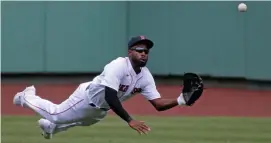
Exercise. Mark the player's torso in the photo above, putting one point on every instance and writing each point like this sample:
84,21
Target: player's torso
130,84
129,87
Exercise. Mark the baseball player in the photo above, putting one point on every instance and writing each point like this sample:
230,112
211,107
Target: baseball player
120,79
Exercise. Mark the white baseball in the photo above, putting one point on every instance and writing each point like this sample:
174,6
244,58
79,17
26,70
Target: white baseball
242,7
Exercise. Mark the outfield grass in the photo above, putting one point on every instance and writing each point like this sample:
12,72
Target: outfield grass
164,130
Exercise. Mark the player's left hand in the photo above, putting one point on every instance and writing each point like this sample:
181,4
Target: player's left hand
139,126
192,88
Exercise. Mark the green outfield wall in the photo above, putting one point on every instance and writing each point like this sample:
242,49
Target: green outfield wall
210,38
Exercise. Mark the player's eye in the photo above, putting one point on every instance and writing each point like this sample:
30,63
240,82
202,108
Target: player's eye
141,50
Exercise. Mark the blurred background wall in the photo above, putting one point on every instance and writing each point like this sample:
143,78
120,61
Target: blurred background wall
210,38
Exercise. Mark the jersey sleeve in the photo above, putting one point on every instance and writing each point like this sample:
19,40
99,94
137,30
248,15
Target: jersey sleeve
150,91
112,75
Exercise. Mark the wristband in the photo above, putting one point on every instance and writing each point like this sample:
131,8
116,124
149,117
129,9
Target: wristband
181,100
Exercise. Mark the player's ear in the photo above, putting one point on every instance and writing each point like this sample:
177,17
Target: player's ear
129,52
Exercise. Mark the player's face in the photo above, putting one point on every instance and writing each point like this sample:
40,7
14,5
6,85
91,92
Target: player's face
139,55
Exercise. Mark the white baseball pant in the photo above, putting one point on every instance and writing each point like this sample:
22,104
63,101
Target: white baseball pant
74,111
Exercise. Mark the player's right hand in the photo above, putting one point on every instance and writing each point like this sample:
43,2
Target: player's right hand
139,126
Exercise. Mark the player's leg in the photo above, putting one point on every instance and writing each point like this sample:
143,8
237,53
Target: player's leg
48,128
71,110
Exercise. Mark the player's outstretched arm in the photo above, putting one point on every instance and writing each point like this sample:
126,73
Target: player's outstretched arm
114,103
192,90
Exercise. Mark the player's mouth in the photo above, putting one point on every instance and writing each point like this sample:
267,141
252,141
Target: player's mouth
143,60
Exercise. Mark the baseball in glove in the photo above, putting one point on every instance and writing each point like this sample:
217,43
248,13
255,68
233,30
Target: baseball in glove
192,88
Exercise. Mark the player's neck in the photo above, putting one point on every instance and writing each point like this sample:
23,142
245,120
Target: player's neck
136,68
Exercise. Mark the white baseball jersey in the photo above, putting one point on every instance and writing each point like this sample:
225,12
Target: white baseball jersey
120,75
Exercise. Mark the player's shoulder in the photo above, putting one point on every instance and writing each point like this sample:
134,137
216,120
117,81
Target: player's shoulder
146,72
117,62
147,77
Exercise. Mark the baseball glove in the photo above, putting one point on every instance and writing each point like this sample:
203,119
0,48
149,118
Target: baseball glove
192,88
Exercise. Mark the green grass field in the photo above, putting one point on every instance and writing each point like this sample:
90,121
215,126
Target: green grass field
17,129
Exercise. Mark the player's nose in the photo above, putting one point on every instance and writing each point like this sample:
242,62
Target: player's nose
143,53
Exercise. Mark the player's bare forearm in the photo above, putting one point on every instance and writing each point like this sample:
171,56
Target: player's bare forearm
162,104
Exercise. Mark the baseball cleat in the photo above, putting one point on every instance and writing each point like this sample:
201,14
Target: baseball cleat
47,128
18,100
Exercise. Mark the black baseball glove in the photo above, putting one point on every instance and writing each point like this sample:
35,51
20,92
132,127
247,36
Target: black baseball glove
192,88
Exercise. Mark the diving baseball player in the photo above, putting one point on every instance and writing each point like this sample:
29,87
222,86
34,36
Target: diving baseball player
121,79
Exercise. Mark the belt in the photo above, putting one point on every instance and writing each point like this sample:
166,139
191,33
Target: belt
93,105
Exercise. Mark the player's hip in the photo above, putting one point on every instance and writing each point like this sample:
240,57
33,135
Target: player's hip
95,94
85,109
